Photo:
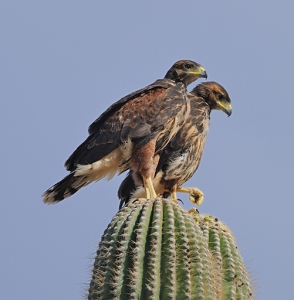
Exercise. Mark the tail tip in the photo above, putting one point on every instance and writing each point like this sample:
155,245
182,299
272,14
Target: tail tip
48,197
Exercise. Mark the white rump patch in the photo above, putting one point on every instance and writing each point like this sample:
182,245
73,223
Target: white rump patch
107,166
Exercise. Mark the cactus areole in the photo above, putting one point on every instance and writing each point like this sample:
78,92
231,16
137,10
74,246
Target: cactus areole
155,249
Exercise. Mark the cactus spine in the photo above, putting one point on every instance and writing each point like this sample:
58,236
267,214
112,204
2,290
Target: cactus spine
155,249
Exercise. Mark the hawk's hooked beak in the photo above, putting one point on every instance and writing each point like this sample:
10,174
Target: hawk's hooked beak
199,71
225,107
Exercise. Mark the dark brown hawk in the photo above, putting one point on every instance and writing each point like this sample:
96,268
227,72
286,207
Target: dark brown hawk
131,133
181,157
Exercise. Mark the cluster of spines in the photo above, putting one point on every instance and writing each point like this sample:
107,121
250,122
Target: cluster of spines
157,250
232,279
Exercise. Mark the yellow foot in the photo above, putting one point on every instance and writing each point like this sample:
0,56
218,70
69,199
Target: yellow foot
174,198
195,195
147,191
193,211
175,201
142,199
148,185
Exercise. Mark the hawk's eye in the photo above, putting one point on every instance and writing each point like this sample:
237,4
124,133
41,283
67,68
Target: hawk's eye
220,96
188,66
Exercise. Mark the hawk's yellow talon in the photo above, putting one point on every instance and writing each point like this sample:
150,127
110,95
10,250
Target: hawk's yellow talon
193,210
174,198
148,185
195,195
142,199
175,201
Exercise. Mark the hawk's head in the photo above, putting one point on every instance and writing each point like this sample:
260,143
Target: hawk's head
186,71
215,95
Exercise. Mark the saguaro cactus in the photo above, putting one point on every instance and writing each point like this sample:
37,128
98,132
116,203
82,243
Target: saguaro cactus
157,250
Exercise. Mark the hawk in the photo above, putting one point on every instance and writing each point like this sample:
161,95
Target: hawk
131,133
180,159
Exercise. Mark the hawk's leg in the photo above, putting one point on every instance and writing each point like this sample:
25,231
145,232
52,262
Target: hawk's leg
144,162
195,195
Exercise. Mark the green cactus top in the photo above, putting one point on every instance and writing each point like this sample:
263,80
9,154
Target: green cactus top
155,249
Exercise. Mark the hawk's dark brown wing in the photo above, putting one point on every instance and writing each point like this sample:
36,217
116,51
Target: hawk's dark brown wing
160,83
138,118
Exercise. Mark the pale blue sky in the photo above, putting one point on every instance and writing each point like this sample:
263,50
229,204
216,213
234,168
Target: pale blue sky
64,62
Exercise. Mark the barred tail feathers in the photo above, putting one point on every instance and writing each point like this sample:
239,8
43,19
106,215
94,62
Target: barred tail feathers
82,176
64,188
